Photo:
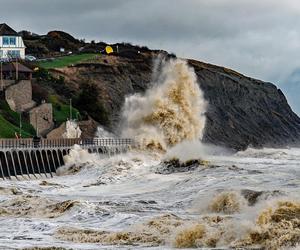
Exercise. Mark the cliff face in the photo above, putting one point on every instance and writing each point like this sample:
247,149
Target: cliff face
242,111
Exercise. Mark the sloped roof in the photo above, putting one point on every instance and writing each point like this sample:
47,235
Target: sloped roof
12,67
5,30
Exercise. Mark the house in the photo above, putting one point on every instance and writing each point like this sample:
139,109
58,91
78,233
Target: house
11,73
11,43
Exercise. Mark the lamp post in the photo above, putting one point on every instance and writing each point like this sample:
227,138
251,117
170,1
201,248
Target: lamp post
1,74
17,69
36,123
70,109
20,132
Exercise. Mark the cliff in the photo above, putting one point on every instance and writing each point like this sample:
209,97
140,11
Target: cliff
242,111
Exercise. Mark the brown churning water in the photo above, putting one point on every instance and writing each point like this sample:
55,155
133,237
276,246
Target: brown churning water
168,113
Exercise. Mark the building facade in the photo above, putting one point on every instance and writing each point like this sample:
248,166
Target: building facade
11,43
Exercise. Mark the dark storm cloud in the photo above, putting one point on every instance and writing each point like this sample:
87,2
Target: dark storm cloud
258,38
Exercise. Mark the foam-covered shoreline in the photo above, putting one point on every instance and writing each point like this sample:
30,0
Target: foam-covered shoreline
121,200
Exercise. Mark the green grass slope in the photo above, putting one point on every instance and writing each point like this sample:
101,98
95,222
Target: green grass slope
66,61
61,111
10,122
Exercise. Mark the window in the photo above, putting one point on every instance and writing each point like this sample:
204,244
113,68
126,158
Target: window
14,53
5,40
12,41
9,40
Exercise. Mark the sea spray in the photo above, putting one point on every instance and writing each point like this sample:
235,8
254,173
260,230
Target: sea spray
102,133
227,203
72,130
77,154
190,150
76,159
171,111
277,227
188,237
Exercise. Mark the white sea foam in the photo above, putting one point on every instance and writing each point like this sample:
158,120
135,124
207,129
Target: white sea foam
123,193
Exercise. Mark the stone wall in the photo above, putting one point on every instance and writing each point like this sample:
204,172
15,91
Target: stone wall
41,118
6,83
19,96
58,132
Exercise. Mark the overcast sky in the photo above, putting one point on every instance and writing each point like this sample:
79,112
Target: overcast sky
260,38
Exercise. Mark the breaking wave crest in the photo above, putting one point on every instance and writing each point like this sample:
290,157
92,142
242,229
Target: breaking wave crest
227,203
154,232
34,206
275,227
171,111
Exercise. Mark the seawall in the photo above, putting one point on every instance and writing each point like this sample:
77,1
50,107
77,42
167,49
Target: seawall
34,158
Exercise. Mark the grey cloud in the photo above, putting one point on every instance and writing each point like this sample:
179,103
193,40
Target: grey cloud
259,38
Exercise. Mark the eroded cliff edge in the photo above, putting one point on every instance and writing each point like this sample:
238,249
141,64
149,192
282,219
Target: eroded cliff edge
242,111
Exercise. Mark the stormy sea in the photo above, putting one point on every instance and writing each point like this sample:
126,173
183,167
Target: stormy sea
169,191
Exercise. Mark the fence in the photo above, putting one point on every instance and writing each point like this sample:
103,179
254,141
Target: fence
59,143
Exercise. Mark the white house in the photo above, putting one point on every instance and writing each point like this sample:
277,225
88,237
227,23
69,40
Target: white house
11,43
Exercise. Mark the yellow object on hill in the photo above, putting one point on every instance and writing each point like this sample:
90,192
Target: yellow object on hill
109,49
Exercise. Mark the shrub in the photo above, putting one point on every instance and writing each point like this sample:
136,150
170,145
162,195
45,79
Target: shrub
39,93
89,101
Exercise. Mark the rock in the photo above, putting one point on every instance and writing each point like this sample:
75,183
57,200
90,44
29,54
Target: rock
47,248
239,169
175,166
88,128
46,183
252,196
58,132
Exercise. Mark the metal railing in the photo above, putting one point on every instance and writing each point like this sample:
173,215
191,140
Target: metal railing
63,143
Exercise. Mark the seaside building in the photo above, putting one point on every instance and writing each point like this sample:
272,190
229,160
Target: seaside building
11,43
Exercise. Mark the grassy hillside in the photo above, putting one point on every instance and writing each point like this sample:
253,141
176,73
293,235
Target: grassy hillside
10,122
65,61
61,111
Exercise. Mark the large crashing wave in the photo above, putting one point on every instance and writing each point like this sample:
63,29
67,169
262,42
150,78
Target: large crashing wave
171,111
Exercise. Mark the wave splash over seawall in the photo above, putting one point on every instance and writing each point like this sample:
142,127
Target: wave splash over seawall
171,111
247,200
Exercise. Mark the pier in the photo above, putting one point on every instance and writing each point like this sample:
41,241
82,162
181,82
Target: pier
42,157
